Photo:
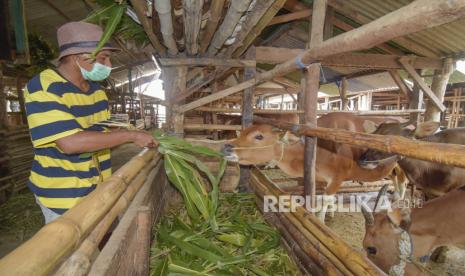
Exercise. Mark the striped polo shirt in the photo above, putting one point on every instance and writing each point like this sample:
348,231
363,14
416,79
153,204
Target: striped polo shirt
56,108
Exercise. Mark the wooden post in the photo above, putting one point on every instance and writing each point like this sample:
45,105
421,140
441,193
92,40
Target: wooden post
440,80
19,90
247,117
343,94
3,113
416,101
312,84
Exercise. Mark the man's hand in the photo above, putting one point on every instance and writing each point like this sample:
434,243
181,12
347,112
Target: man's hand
144,139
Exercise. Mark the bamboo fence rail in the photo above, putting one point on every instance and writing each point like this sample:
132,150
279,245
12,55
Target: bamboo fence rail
448,154
341,258
58,239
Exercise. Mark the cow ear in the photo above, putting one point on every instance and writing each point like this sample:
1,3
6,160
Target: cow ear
369,126
400,217
426,129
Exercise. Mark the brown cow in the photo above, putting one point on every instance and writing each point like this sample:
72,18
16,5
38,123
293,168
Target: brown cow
335,163
397,241
434,179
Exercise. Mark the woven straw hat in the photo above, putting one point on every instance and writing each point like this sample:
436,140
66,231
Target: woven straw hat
79,38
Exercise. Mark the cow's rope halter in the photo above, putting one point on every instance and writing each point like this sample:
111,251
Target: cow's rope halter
406,256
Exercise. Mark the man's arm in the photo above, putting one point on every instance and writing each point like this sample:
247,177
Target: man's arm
90,141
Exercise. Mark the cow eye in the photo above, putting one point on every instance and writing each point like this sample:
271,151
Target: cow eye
259,137
371,250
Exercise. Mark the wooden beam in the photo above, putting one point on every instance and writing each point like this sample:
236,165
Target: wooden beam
274,55
448,154
422,14
348,11
139,8
207,62
234,14
211,127
401,84
192,21
311,87
439,85
216,9
293,6
421,83
290,17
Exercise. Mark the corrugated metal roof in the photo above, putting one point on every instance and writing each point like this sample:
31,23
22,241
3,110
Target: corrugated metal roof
440,41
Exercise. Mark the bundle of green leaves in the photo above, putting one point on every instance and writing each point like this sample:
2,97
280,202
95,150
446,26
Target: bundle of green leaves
212,233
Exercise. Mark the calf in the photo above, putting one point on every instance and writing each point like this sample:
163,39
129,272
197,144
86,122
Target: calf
399,240
335,163
433,178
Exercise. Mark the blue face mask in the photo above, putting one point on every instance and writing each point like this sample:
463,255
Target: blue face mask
99,72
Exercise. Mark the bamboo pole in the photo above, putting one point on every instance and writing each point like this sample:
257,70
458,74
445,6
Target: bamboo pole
448,154
234,14
309,244
58,238
166,25
353,260
295,245
79,262
208,62
419,15
216,8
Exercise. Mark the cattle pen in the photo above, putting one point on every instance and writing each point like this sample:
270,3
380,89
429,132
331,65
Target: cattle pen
226,67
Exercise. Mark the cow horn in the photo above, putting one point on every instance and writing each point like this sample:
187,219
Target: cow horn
369,219
381,193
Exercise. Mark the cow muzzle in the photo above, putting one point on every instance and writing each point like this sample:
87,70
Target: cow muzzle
229,153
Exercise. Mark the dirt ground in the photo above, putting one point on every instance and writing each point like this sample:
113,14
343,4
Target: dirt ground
351,228
21,217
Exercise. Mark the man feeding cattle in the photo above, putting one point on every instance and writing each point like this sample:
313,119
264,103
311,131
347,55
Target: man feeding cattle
63,109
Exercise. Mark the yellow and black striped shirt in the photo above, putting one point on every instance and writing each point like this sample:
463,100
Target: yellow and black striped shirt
56,108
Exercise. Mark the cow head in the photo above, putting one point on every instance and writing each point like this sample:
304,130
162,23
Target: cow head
373,158
254,146
384,232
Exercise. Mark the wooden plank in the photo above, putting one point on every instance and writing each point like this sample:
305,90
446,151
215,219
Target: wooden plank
274,55
448,154
207,62
290,17
142,241
418,80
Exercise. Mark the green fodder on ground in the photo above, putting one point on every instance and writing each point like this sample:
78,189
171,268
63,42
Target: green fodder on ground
20,219
243,244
